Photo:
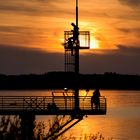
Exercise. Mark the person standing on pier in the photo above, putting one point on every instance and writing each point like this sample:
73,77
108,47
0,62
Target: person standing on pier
95,99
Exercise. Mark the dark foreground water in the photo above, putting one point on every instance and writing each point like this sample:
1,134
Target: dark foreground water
122,121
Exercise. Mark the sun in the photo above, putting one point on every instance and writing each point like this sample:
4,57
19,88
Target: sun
94,43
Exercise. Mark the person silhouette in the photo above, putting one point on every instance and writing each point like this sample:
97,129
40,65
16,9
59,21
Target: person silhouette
75,33
70,45
95,99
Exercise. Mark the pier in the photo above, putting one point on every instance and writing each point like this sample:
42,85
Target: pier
49,105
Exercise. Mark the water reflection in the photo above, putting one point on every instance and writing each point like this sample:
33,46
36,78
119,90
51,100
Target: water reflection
121,122
122,119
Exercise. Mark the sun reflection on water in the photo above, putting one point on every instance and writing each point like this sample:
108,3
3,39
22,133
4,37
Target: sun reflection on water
121,121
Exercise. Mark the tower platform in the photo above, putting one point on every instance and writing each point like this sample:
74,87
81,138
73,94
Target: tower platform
49,105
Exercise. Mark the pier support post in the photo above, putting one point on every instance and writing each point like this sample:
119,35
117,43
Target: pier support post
27,126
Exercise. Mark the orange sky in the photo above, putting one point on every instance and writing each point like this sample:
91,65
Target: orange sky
40,23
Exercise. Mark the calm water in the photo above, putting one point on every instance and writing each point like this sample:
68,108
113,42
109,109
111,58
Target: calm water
122,121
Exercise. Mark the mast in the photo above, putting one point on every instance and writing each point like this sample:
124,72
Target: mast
77,44
77,65
77,13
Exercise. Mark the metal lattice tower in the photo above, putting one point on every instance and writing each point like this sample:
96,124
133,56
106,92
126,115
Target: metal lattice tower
70,52
72,40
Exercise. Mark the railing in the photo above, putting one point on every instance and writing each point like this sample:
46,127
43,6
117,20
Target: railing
48,105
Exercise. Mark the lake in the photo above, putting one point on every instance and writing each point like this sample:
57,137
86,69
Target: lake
122,121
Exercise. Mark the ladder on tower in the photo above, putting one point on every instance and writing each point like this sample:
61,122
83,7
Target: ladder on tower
70,49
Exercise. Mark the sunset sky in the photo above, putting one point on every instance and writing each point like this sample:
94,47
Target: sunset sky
32,35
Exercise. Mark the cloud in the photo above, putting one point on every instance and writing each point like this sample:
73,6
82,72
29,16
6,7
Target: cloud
124,60
121,49
20,29
128,50
34,7
131,3
19,60
134,31
17,7
41,37
124,30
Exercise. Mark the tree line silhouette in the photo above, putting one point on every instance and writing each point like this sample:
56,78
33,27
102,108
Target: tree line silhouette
60,80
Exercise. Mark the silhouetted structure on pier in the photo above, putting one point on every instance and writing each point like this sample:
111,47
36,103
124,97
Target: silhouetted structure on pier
67,103
64,104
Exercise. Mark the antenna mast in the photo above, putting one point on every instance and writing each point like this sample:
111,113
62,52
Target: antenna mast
77,44
77,13
77,64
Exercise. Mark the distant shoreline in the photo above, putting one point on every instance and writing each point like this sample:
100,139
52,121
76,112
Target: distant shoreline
60,80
